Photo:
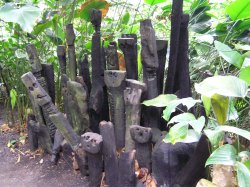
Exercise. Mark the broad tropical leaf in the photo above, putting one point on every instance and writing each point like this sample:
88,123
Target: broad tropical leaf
160,101
225,155
220,105
245,74
25,16
214,136
239,9
154,2
207,104
223,85
231,56
238,131
243,175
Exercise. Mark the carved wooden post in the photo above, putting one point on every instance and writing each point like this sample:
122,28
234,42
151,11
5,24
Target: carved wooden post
77,102
132,98
48,74
150,67
162,46
112,57
61,54
142,137
134,36
109,153
92,144
84,72
127,45
56,147
127,169
174,44
32,133
70,38
115,81
44,100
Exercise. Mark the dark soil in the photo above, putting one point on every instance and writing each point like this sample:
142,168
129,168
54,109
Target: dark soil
21,168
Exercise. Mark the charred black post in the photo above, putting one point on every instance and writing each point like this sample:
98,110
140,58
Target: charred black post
134,36
162,46
127,169
70,38
84,72
115,81
32,133
176,17
128,45
48,74
56,147
109,153
112,57
150,67
92,144
61,54
132,98
142,137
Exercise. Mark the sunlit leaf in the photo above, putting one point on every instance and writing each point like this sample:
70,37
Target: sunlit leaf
223,85
245,74
13,98
125,18
214,136
225,155
231,56
207,104
154,2
160,101
25,16
220,105
238,131
243,175
239,9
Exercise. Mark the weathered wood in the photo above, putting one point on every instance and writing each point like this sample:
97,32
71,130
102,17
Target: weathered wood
112,57
77,102
127,169
174,45
109,153
132,99
56,147
84,72
150,67
48,74
162,46
32,133
64,92
168,159
142,137
127,45
195,169
70,38
115,81
182,80
92,144
134,36
61,54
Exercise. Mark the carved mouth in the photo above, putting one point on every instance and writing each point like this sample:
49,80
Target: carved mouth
40,96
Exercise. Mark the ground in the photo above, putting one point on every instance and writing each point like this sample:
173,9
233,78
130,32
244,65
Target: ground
22,168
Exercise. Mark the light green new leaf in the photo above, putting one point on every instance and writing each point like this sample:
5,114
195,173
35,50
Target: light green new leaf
198,124
207,104
238,131
182,118
177,133
230,86
160,101
214,136
231,56
125,18
243,175
171,107
154,2
25,16
225,155
220,105
13,97
245,74
239,9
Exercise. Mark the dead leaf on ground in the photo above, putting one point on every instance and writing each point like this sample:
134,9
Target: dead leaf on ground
18,159
5,128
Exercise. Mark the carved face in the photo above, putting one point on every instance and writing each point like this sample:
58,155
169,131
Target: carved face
91,142
38,93
114,78
140,134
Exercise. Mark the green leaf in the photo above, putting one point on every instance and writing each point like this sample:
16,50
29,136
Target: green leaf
177,132
13,97
243,175
171,107
191,136
230,86
160,101
182,118
207,104
198,124
238,131
220,106
154,2
245,74
125,18
239,9
214,136
231,56
225,155
25,16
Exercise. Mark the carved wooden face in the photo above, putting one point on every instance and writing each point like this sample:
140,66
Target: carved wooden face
114,78
140,134
39,94
91,142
